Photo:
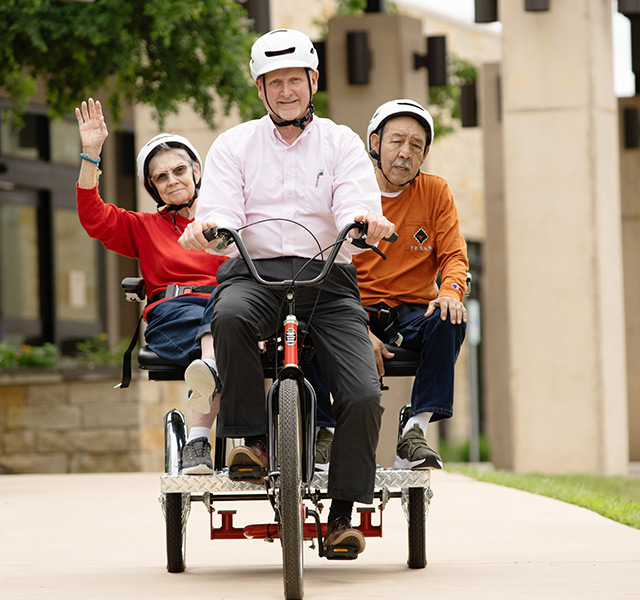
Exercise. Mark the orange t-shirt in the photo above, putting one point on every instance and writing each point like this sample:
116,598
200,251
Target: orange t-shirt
429,240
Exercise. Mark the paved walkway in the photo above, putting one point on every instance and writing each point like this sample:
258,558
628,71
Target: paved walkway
95,537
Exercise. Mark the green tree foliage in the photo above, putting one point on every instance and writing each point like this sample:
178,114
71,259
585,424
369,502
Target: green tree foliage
162,53
444,100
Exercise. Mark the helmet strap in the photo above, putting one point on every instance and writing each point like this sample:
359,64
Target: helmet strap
163,208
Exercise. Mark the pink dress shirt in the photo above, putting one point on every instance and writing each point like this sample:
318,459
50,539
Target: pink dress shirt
322,181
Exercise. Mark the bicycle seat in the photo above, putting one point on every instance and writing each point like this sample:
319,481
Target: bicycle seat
403,364
159,369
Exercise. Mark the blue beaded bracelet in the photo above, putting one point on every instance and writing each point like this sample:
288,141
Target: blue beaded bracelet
85,157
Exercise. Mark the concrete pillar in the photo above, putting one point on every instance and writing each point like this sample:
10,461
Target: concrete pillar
630,196
497,402
564,286
392,42
113,290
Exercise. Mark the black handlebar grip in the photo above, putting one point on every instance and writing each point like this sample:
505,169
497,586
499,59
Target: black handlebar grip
392,238
210,234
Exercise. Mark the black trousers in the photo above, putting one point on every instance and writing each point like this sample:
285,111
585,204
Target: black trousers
245,312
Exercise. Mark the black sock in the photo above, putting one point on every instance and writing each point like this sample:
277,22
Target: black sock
340,508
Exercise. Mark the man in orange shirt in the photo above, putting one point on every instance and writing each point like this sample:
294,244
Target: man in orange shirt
405,304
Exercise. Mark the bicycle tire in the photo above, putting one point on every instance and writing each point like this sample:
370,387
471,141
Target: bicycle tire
176,542
290,505
417,529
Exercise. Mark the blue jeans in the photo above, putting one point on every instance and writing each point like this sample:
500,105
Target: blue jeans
439,344
175,327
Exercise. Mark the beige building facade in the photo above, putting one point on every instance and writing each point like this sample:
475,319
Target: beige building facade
537,187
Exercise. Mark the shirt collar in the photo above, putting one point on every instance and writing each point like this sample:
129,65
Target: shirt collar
275,132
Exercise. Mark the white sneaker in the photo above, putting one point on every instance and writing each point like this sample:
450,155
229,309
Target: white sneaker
204,383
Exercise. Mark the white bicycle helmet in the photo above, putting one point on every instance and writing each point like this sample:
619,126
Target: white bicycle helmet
282,49
149,149
399,108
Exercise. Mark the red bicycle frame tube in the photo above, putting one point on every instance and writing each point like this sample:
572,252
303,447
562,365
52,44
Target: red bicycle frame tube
290,338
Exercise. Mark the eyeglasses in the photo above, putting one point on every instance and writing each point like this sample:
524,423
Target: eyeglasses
177,171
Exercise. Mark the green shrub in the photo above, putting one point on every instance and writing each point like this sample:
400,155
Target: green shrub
93,351
11,357
456,453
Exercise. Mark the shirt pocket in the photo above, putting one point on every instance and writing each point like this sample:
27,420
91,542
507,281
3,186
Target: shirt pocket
317,191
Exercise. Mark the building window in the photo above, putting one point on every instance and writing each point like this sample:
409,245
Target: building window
49,268
65,142
75,267
30,142
20,308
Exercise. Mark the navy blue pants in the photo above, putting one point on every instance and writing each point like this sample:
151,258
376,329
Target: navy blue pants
439,344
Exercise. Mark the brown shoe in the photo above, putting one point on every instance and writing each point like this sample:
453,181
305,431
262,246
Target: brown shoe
248,463
341,541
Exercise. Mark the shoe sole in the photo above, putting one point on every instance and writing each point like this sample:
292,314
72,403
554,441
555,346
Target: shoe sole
350,539
244,465
417,465
200,380
197,470
243,457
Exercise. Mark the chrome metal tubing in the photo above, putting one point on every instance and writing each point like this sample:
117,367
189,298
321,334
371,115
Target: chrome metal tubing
175,437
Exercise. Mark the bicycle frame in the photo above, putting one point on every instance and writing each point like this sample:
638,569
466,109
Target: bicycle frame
307,395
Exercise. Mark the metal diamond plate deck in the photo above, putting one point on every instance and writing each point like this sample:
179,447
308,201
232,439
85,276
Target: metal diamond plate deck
391,479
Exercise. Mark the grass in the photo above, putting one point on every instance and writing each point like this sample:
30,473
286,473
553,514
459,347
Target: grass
616,498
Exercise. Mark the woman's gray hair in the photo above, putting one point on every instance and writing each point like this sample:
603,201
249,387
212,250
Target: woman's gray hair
161,149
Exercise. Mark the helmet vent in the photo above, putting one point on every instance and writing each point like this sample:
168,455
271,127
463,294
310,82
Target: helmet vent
271,53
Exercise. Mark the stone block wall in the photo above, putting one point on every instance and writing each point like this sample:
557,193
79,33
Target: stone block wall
75,422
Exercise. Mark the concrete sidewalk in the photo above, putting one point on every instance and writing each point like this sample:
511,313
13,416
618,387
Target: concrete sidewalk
94,537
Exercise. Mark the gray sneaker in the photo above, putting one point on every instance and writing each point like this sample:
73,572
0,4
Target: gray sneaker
324,441
413,452
196,457
204,383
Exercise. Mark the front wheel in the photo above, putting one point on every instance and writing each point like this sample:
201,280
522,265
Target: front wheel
417,516
290,504
176,538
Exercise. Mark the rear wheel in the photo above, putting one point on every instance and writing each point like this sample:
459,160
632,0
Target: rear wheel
176,539
290,505
417,515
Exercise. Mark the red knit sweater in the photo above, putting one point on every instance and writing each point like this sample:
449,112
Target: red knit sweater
151,239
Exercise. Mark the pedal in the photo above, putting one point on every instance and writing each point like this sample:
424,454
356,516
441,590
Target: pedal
248,473
340,552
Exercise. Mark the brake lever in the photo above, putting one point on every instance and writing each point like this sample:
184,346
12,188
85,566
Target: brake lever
361,242
213,233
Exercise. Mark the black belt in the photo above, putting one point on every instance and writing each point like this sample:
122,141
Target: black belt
383,317
174,290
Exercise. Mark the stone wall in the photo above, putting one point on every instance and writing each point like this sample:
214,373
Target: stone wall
75,422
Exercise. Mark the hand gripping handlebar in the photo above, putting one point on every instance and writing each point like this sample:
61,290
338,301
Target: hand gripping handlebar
228,236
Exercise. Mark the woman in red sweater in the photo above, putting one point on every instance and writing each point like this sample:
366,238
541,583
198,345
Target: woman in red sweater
178,282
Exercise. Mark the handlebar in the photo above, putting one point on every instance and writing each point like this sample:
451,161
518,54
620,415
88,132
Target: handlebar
228,236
